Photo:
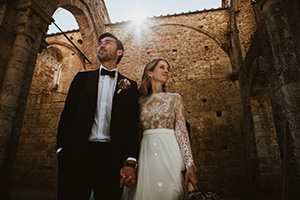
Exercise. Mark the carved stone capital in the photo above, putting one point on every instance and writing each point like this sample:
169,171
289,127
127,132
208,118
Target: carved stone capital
27,23
33,17
41,8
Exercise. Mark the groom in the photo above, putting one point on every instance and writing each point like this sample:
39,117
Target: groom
98,129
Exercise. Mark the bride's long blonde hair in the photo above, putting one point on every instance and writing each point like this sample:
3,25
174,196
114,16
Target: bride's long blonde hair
145,88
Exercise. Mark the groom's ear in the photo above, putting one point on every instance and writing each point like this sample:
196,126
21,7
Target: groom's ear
120,52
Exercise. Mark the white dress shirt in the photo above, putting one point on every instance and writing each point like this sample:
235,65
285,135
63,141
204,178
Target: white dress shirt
100,131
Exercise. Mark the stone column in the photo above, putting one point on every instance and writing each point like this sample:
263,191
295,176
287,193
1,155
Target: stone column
28,36
287,65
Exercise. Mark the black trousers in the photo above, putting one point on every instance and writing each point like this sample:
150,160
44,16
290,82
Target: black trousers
92,169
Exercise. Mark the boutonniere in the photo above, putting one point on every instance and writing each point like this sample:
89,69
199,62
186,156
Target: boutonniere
123,84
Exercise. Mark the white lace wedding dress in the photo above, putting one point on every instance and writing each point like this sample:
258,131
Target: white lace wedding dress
165,149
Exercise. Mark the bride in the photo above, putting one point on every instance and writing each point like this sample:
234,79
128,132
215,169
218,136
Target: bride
165,148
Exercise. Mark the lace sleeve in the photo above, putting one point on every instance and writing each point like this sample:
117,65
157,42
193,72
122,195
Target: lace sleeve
181,132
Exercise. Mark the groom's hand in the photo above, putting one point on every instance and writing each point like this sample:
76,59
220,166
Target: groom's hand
128,176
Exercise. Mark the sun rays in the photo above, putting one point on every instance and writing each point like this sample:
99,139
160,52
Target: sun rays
139,23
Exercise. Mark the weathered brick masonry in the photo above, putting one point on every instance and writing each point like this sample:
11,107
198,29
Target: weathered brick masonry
223,63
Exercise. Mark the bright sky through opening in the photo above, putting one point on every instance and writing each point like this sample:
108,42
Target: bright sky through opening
124,10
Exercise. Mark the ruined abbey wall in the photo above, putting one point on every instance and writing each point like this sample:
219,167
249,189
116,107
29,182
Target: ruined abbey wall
55,68
232,75
23,28
201,71
196,44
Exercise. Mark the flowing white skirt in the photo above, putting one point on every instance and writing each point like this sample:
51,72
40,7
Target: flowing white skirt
160,167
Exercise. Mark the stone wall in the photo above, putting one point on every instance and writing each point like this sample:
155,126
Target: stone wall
55,68
222,64
58,64
8,15
265,123
293,15
201,72
23,26
245,23
91,15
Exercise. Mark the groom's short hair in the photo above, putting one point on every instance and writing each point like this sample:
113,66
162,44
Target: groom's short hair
119,43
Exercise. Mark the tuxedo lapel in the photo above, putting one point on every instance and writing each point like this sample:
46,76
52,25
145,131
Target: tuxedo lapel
93,86
116,95
116,103
120,77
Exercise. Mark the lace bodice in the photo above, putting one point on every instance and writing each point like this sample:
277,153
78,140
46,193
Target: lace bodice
165,111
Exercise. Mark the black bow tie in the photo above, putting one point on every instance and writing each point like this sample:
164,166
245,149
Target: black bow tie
108,73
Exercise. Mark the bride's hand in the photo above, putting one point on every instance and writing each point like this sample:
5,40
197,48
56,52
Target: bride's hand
190,176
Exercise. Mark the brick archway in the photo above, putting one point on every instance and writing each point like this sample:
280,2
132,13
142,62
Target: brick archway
47,71
91,20
159,41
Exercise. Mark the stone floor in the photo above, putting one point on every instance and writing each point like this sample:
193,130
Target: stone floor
32,195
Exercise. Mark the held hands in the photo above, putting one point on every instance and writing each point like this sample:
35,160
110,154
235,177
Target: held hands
128,176
191,179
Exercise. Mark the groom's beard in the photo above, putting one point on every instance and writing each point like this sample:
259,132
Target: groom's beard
107,56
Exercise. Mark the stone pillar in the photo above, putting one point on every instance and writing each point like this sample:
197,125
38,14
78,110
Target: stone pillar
287,65
29,30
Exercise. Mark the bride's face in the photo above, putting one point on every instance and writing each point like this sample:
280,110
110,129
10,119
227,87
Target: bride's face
161,72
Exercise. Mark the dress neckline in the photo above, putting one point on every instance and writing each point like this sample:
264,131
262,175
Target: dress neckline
158,93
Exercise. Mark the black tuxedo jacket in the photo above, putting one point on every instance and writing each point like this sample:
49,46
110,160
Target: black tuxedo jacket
78,115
